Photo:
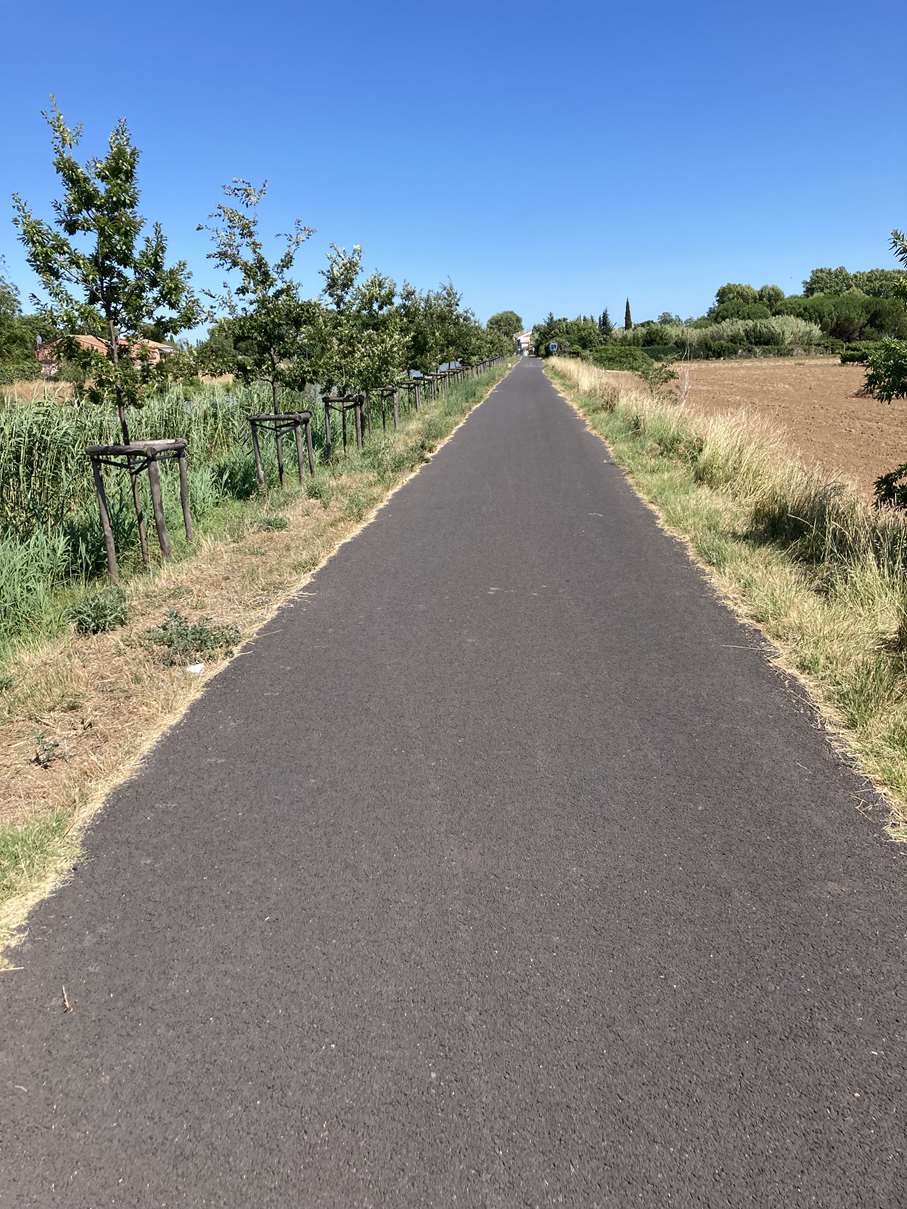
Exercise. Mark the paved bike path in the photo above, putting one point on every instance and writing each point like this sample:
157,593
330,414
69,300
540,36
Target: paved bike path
500,870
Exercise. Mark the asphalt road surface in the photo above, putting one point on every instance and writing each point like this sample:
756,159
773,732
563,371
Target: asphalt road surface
501,870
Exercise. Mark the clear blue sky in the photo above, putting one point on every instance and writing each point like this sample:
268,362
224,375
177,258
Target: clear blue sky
542,157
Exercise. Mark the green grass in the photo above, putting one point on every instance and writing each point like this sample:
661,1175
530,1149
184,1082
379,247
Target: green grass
27,851
822,573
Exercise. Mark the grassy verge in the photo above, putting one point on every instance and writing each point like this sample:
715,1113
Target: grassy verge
78,712
819,571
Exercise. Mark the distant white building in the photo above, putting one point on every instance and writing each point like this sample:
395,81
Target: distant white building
522,343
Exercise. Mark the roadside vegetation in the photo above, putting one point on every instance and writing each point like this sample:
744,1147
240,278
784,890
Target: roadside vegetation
822,573
107,329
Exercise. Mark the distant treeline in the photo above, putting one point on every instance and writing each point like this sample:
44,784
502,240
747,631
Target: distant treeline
836,308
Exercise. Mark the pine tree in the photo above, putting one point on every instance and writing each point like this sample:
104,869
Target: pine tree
628,318
605,326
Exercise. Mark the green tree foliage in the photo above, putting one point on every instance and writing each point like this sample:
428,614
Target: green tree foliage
505,324
886,376
94,259
628,317
828,281
877,283
605,326
881,283
19,334
771,296
735,292
217,353
736,300
850,316
580,335
10,313
269,321
439,330
360,334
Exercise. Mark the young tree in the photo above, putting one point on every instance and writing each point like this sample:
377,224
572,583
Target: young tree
378,353
420,315
455,326
628,318
217,353
334,337
95,260
438,329
269,320
605,326
361,341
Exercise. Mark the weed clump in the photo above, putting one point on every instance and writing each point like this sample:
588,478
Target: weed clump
271,524
319,488
179,641
100,611
47,750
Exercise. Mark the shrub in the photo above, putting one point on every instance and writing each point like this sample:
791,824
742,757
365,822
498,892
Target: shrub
858,354
663,352
886,378
320,488
19,371
621,356
785,333
657,374
891,488
98,612
271,524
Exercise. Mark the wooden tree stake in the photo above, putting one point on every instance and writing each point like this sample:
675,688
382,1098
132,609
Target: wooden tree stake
183,465
106,527
157,504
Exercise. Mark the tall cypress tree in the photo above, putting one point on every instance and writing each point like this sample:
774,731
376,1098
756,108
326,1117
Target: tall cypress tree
628,318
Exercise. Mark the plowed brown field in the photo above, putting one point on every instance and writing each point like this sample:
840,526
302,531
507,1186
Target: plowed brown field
816,403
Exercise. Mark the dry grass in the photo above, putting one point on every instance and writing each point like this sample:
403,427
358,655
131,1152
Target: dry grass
37,390
815,403
818,570
94,705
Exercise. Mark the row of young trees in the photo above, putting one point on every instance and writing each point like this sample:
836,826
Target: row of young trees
104,274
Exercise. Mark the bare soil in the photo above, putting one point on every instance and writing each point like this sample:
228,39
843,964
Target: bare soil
816,403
